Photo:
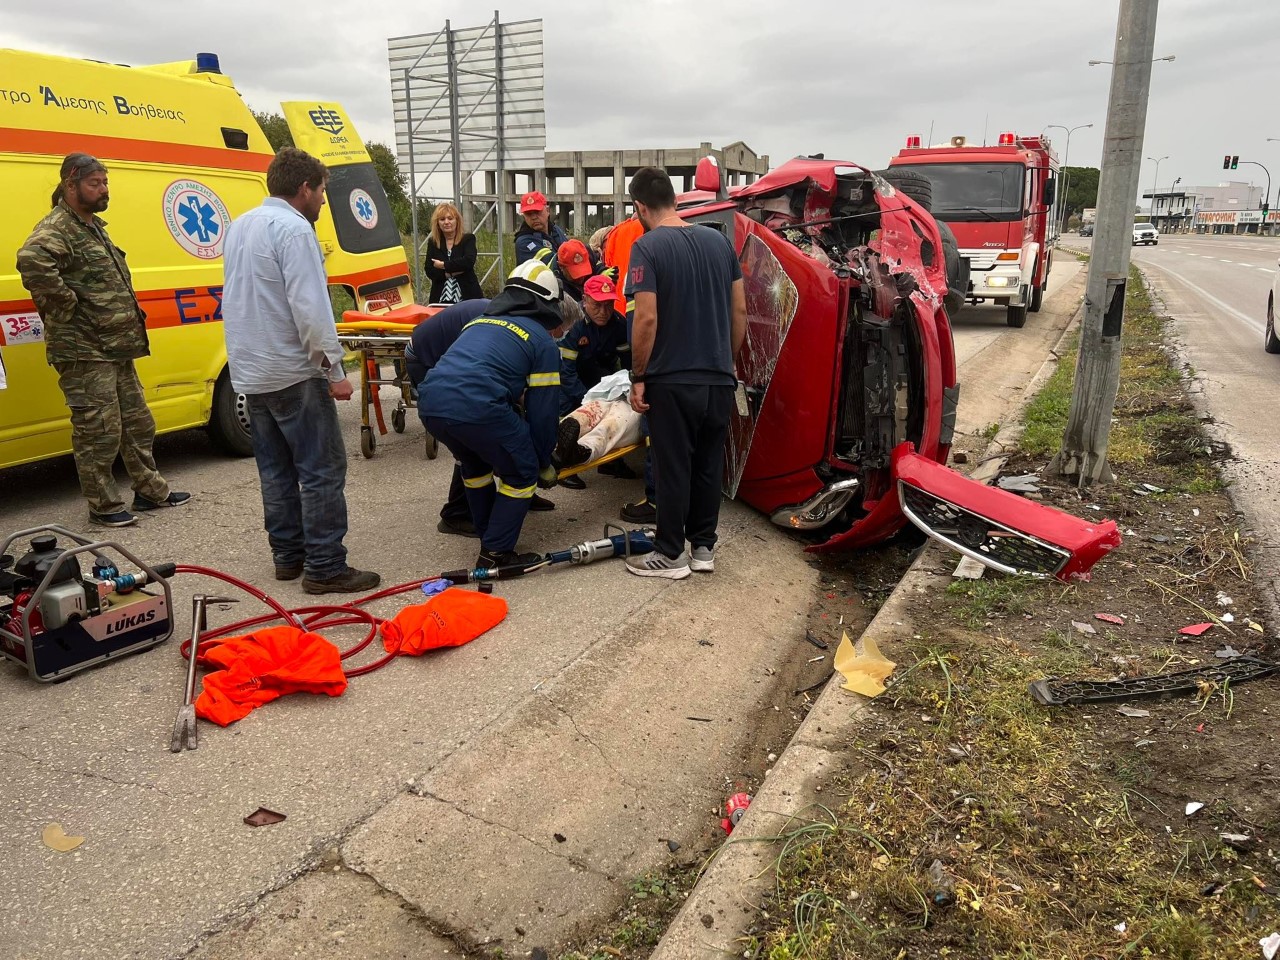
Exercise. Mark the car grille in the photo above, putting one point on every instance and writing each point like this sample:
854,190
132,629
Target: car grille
996,545
983,259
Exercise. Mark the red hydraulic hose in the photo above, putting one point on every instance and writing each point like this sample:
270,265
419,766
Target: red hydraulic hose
313,618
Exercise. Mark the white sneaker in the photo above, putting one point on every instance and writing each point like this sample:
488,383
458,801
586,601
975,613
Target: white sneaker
703,559
656,564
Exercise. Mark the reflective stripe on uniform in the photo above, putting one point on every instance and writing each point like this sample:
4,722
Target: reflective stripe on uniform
516,493
631,305
568,354
544,379
475,483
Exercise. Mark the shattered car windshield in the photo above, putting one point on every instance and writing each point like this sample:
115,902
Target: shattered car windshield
973,191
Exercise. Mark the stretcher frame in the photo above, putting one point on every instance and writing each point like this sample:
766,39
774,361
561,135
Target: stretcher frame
377,341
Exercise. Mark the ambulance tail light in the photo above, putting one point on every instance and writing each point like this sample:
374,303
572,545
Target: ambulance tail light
1007,139
913,142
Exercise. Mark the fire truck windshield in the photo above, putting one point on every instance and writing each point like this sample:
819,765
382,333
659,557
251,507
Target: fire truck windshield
973,191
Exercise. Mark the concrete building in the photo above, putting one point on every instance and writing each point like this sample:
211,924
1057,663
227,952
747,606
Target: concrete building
1226,208
588,188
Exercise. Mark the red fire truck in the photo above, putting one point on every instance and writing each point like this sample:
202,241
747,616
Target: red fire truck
998,202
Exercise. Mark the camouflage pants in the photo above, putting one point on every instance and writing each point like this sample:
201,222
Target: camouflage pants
109,415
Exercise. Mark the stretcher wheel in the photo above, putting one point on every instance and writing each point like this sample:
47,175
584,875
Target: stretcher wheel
368,442
397,419
433,447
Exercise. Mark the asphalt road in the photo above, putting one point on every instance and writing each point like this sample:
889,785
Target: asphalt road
1215,289
576,710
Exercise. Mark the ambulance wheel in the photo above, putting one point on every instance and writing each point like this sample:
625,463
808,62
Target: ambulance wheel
1037,299
368,442
397,419
433,447
229,419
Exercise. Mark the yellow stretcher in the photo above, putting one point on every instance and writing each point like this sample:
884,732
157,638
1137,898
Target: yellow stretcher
379,338
607,458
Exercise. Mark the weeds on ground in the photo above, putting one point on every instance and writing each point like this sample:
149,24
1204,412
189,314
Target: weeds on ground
652,901
983,827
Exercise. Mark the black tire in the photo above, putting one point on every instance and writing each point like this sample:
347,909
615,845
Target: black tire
1016,316
397,419
1270,342
368,442
229,419
915,185
1037,299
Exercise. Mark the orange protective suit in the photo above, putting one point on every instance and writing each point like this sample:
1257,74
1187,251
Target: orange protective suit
448,619
259,667
617,253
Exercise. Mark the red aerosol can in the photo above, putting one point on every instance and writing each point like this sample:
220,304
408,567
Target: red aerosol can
735,807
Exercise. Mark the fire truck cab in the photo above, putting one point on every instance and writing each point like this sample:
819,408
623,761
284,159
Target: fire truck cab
998,202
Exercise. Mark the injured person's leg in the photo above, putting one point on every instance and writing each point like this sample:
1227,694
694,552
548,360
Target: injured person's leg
595,429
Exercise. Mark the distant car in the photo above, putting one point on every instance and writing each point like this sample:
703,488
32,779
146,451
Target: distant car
1270,342
1145,233
1086,230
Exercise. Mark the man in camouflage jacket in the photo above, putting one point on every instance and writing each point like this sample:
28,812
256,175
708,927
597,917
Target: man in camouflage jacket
94,330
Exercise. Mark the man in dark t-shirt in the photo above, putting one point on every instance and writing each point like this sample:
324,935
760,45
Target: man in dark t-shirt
689,320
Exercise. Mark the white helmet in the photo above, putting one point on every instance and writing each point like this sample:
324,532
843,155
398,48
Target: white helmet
536,277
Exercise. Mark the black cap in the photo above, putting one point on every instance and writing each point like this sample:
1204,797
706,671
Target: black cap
75,166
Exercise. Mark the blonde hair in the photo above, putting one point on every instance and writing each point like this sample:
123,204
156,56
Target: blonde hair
436,233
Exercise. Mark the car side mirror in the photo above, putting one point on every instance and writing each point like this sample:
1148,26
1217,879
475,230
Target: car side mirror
707,177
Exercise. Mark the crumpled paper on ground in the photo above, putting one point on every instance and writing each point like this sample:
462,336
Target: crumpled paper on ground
864,667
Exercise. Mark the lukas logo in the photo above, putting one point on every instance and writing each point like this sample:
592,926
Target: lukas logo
129,622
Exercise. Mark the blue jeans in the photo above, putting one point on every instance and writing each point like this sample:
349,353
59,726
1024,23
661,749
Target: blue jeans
302,465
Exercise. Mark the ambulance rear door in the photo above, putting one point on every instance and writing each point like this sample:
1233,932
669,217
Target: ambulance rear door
363,249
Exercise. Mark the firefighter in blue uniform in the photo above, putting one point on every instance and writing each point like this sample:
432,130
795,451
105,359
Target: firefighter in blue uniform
471,396
595,346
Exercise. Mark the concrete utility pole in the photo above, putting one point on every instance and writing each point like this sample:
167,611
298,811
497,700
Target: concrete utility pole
1093,398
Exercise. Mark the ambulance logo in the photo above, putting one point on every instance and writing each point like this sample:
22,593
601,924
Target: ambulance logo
196,217
363,209
330,121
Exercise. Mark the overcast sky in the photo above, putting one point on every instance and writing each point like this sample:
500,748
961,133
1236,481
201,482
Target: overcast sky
851,79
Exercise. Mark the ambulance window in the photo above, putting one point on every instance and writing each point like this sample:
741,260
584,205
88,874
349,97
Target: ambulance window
235,139
362,215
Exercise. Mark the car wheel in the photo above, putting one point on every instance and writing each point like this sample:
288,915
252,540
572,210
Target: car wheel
915,185
1270,342
229,420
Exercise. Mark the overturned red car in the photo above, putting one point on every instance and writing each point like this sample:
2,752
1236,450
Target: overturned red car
850,374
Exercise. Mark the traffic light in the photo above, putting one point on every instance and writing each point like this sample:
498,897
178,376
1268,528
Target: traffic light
1235,162
1226,162
1266,208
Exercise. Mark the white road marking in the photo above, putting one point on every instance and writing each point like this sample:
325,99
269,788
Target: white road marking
1244,318
1225,261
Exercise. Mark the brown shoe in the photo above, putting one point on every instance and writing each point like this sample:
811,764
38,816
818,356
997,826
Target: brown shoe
349,580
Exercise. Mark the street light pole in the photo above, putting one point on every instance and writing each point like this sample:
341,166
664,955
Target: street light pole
1066,167
1154,182
1085,441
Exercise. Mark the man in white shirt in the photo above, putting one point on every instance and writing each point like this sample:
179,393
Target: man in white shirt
284,355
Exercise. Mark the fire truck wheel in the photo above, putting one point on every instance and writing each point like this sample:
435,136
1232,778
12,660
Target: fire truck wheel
1017,316
1270,342
1037,298
915,185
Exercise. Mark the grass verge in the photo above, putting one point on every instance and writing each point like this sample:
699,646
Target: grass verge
976,823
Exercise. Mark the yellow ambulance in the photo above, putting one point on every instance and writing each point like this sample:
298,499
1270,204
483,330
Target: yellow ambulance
185,157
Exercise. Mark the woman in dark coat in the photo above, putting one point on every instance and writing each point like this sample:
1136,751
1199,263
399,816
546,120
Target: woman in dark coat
451,258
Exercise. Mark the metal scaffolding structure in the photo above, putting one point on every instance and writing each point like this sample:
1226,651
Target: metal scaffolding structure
469,102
